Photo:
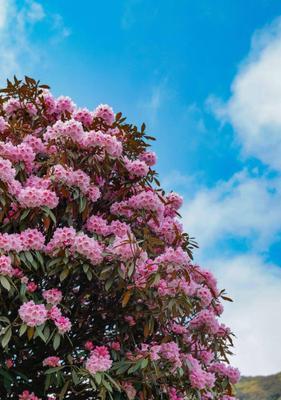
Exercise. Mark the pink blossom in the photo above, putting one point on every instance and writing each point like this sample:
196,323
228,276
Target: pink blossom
129,390
149,157
33,314
98,225
9,363
99,360
54,313
88,247
115,346
52,296
51,361
105,112
89,345
3,125
84,116
26,395
6,267
64,104
63,324
136,168
31,197
31,287
7,172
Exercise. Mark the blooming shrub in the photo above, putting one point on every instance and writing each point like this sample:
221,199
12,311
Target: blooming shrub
100,298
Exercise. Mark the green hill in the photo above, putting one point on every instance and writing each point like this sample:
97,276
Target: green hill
259,388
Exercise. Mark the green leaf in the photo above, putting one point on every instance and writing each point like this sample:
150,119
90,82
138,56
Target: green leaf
144,363
22,329
39,331
25,214
5,283
40,258
108,284
135,367
98,378
7,337
46,332
56,341
113,382
75,377
107,385
64,390
4,319
64,274
52,370
29,257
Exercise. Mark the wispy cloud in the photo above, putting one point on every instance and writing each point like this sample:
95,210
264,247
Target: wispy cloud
17,23
4,6
253,108
151,105
255,286
246,207
36,12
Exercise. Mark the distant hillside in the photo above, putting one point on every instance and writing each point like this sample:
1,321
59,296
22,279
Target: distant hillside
259,388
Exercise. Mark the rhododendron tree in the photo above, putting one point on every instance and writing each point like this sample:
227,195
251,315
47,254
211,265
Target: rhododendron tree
100,298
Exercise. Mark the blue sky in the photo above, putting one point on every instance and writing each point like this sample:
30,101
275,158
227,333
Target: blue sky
205,77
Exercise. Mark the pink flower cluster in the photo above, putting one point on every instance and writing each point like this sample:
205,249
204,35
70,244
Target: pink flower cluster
73,130
145,200
222,369
26,395
52,296
125,248
12,105
174,395
22,152
88,247
199,378
3,125
31,197
7,172
33,314
129,390
149,157
6,266
99,360
84,116
76,178
205,320
78,242
62,323
226,397
136,168
51,361
105,112
30,239
104,141
37,314
62,237
100,226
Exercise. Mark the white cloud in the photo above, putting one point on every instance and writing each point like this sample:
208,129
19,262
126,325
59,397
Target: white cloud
4,5
247,206
254,317
36,12
255,102
18,51
154,101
